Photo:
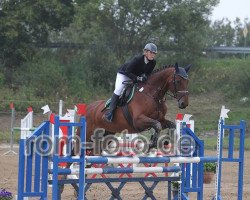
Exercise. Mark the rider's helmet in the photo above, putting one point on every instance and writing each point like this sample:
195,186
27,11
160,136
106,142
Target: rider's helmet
151,47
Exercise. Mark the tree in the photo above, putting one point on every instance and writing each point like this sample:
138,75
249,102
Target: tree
24,24
173,25
125,26
239,27
223,34
111,32
226,33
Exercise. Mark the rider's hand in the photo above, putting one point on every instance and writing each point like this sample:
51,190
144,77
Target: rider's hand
142,78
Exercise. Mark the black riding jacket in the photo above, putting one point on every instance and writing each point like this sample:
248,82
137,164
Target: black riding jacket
137,67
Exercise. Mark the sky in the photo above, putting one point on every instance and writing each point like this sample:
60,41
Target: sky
232,9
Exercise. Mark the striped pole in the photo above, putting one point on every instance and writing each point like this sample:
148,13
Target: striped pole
113,170
137,160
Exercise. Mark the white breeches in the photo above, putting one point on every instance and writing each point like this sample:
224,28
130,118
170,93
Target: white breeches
118,83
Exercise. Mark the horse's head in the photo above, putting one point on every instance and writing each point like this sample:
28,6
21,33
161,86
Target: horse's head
179,85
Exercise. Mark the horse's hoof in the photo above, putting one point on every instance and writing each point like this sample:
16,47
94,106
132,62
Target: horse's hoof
152,145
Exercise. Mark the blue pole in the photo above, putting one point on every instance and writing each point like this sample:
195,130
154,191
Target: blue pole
241,157
231,143
45,161
81,192
21,169
200,172
55,160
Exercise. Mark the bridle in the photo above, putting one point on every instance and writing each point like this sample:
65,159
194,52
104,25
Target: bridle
176,92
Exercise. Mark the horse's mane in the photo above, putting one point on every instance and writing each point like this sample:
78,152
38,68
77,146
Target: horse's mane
162,68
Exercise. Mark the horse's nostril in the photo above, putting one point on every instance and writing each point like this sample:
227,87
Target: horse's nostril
182,105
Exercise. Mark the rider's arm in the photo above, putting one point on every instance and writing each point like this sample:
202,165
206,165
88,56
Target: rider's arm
128,68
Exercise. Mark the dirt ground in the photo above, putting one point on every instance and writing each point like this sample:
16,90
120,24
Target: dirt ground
9,173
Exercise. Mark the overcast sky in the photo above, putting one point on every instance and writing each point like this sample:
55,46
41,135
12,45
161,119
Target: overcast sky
232,9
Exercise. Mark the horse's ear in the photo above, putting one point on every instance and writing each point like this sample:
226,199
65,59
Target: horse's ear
176,67
187,68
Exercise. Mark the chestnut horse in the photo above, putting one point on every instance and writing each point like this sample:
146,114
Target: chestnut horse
147,108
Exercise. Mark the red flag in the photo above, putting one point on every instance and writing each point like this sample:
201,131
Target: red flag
179,116
29,109
11,105
81,109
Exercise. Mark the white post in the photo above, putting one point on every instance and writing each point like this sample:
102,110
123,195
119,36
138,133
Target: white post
60,107
223,116
27,123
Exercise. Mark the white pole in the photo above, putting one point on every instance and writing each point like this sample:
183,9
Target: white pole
223,116
60,107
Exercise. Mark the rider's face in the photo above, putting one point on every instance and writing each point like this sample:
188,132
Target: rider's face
150,55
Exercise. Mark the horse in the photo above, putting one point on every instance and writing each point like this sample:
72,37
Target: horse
147,109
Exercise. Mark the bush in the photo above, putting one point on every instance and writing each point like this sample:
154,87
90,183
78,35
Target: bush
209,167
229,76
175,185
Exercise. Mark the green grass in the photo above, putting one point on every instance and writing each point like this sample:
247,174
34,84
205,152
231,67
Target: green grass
5,137
205,110
211,143
207,86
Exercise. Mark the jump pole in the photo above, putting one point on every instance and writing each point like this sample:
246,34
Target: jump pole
109,160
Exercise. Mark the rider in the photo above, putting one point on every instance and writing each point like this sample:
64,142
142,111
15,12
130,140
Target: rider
137,70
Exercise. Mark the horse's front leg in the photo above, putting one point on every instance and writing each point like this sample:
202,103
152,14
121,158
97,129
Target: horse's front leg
143,123
171,126
167,124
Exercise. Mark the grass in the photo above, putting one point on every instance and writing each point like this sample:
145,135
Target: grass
205,109
5,137
211,143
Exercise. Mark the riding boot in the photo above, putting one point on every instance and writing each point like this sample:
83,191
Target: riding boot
108,116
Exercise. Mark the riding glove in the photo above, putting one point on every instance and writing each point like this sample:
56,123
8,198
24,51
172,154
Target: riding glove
142,78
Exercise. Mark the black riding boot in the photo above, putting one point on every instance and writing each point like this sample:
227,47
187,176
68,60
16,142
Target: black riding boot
108,116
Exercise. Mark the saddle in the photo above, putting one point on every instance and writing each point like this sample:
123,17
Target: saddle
126,96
